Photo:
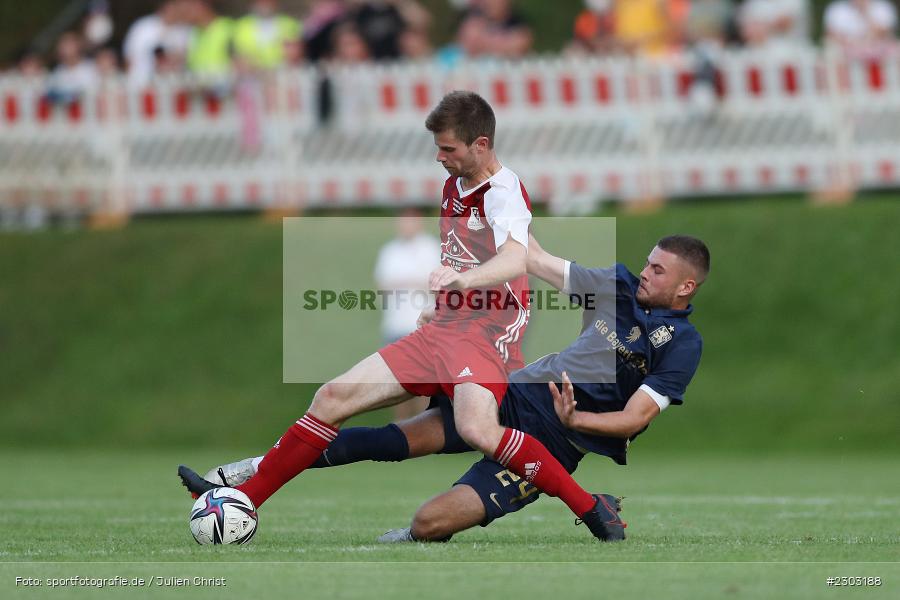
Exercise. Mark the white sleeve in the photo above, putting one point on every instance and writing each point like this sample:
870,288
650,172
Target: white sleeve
128,45
434,253
833,19
507,214
137,39
382,270
885,15
566,289
661,401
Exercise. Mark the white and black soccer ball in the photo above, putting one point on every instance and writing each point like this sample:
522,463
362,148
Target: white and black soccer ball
223,516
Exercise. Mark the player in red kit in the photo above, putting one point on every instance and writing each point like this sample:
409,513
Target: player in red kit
473,340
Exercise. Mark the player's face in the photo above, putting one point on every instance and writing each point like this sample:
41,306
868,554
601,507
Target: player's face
665,281
458,158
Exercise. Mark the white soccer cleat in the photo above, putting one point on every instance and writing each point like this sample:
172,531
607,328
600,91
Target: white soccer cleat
233,474
397,536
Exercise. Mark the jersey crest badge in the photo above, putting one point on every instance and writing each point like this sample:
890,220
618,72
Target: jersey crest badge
633,335
660,336
455,253
475,223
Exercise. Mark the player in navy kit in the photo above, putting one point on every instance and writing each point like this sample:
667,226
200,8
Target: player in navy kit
656,352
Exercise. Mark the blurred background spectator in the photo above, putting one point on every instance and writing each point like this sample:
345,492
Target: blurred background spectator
493,28
293,52
380,25
643,27
74,75
861,27
318,27
415,44
157,43
402,268
261,38
211,46
348,45
707,22
106,62
30,65
705,31
595,29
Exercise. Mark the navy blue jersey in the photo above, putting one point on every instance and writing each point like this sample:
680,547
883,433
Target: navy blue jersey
655,347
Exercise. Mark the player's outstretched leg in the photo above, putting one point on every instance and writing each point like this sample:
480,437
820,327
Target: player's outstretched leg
484,494
527,457
367,386
354,444
478,423
437,520
418,436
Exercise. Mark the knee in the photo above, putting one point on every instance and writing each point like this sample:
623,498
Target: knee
327,403
481,436
430,526
327,394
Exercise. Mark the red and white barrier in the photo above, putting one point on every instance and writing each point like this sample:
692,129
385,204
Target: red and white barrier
612,128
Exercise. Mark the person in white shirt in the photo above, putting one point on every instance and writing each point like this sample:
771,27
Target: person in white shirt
74,75
861,27
161,33
402,268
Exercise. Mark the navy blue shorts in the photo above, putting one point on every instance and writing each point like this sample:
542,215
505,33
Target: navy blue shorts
502,491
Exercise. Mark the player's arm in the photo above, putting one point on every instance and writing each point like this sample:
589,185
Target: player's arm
507,264
640,409
544,265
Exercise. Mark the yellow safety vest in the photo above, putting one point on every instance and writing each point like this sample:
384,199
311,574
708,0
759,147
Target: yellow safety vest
210,49
264,51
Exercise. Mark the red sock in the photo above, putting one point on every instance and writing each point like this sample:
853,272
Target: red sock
297,449
528,458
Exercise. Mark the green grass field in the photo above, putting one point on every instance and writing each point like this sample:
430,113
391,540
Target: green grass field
699,526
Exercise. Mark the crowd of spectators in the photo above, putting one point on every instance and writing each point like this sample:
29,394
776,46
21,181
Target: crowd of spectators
660,27
190,35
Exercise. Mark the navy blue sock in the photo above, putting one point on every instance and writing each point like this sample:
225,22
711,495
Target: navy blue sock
354,444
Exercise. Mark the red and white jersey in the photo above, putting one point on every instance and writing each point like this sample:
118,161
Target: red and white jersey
474,224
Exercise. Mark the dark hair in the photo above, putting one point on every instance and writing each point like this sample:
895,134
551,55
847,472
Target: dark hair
467,114
690,249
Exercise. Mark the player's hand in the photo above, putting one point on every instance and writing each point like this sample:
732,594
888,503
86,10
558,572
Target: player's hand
564,402
425,317
445,278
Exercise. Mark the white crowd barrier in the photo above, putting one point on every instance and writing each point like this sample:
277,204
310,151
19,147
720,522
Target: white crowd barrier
607,128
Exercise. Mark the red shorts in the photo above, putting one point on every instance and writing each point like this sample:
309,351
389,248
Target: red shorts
433,359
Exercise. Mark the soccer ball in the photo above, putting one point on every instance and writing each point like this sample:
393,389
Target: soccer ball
223,516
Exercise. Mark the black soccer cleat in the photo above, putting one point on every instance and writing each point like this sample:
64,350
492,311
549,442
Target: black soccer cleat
603,520
195,484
